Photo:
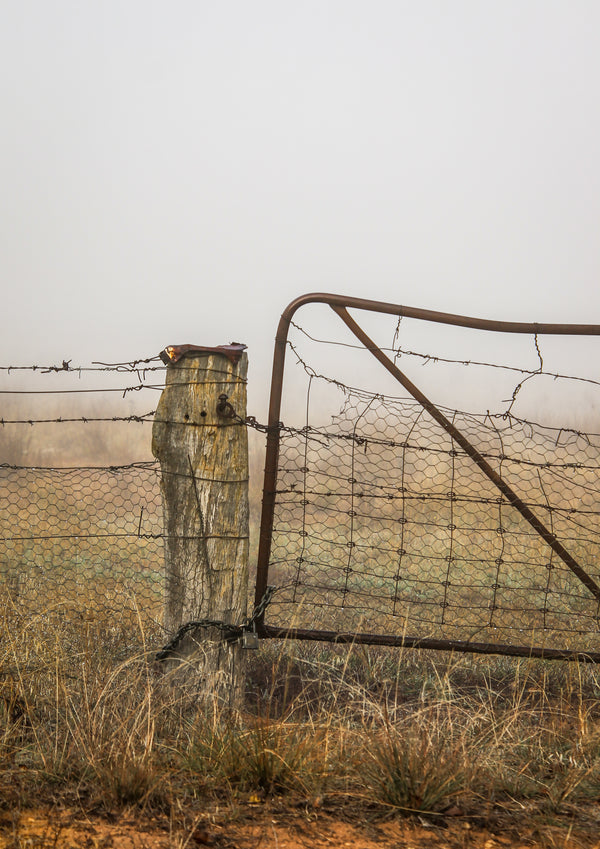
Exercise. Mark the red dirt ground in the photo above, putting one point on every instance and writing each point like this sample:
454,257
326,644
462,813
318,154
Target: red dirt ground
285,825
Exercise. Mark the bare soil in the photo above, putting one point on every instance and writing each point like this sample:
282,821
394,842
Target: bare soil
277,824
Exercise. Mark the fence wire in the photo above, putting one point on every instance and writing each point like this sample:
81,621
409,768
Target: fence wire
384,525
82,543
81,531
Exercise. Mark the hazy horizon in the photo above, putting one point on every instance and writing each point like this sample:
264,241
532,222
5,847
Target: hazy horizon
180,172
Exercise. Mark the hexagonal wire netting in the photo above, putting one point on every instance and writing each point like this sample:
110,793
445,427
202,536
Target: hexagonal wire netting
82,541
383,525
81,529
382,522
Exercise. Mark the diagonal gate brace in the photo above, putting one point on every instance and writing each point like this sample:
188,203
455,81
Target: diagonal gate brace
471,451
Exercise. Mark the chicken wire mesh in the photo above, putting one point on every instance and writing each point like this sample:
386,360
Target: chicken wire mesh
83,539
387,526
81,528
383,525
83,543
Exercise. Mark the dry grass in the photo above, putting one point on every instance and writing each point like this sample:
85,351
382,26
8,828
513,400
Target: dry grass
403,730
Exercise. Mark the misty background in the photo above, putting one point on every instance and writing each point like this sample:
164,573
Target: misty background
178,172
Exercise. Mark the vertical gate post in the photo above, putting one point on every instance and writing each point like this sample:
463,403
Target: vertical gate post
201,442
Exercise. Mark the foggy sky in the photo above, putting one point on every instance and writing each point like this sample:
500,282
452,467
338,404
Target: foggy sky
178,172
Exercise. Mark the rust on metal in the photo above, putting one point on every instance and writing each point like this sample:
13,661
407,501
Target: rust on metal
224,407
439,317
173,353
461,646
340,304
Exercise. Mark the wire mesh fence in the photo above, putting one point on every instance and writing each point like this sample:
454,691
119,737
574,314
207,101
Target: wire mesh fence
83,542
81,529
385,527
83,532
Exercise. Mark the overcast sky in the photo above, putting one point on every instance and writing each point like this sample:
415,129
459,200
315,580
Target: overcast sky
179,171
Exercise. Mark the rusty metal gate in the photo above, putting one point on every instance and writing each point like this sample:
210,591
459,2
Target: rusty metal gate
406,523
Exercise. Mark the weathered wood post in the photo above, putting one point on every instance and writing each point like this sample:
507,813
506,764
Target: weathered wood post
201,441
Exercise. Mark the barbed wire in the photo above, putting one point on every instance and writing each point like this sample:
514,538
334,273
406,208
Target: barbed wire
382,515
117,368
504,415
324,434
133,366
100,390
143,418
398,352
123,391
379,514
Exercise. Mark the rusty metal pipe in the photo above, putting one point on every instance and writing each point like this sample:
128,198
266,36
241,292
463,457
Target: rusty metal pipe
440,317
461,646
271,460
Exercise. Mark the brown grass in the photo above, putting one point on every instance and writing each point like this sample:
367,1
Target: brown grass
84,720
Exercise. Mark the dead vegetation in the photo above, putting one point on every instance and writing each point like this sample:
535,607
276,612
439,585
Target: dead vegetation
89,720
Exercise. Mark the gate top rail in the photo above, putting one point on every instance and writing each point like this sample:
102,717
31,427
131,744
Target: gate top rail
433,315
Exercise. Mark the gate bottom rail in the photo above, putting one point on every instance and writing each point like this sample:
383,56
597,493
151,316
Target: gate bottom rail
461,646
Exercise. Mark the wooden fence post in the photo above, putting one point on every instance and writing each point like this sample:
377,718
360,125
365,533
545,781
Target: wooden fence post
202,447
